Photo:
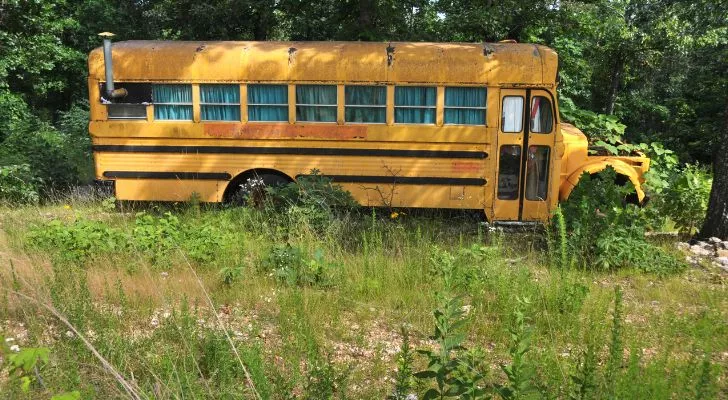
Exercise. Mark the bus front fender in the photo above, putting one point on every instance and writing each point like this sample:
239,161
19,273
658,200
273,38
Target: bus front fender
620,166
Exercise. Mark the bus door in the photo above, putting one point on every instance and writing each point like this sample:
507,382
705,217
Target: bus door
524,153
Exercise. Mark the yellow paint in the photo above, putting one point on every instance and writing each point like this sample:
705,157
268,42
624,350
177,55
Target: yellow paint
503,68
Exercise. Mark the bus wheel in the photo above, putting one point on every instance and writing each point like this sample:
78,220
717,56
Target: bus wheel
250,189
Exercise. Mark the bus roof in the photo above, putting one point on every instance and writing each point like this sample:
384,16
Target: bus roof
493,64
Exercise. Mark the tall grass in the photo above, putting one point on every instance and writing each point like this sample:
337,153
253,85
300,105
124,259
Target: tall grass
147,293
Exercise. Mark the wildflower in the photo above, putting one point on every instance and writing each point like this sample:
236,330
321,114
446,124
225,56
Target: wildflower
164,275
15,348
394,215
67,206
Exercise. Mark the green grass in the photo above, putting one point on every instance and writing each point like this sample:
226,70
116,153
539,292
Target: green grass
141,300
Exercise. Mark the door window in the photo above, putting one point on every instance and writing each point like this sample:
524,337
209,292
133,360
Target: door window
537,173
509,172
512,118
541,116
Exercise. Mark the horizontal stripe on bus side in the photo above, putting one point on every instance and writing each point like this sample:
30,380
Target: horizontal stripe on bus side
311,151
406,180
217,176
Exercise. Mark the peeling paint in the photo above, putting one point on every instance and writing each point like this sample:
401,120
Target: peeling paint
460,166
390,55
276,131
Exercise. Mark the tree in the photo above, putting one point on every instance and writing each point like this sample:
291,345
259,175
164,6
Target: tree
716,220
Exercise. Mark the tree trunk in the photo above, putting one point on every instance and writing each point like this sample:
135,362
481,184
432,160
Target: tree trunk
716,220
616,78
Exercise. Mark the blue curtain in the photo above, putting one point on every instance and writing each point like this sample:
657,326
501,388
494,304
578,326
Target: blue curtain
416,102
172,102
465,105
316,103
220,102
365,104
267,103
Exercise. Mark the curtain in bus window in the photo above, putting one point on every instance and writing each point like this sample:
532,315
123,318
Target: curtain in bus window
316,103
541,117
537,172
268,103
172,102
220,102
465,105
512,118
509,172
365,104
414,105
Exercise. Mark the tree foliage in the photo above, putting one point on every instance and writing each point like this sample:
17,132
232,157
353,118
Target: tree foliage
651,71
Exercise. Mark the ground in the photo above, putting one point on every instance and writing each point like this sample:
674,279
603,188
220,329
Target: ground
158,295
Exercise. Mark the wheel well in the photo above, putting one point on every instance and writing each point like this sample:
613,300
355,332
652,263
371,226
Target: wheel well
623,180
242,177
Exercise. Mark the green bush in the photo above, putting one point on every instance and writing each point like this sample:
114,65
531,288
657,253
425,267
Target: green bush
313,199
685,199
78,240
46,152
18,185
293,266
605,233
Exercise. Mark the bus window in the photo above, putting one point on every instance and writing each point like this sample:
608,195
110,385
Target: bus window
509,171
414,105
537,173
365,104
268,103
172,102
220,102
541,117
512,118
465,106
316,103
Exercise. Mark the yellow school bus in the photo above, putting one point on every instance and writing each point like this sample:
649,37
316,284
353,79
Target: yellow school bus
437,125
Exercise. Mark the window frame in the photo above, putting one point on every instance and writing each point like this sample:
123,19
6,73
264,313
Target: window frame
155,103
202,104
433,107
445,107
248,104
523,111
335,106
383,106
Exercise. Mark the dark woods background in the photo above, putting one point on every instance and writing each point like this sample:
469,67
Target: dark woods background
657,66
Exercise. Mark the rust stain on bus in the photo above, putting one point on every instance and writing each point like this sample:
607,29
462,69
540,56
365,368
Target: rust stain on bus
269,131
460,166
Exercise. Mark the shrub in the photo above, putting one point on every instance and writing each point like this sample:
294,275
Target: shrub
18,185
76,241
46,152
291,265
685,200
605,233
313,199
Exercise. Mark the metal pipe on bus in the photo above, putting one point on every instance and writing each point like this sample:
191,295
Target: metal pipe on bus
111,92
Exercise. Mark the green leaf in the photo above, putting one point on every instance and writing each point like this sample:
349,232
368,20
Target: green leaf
431,394
75,395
